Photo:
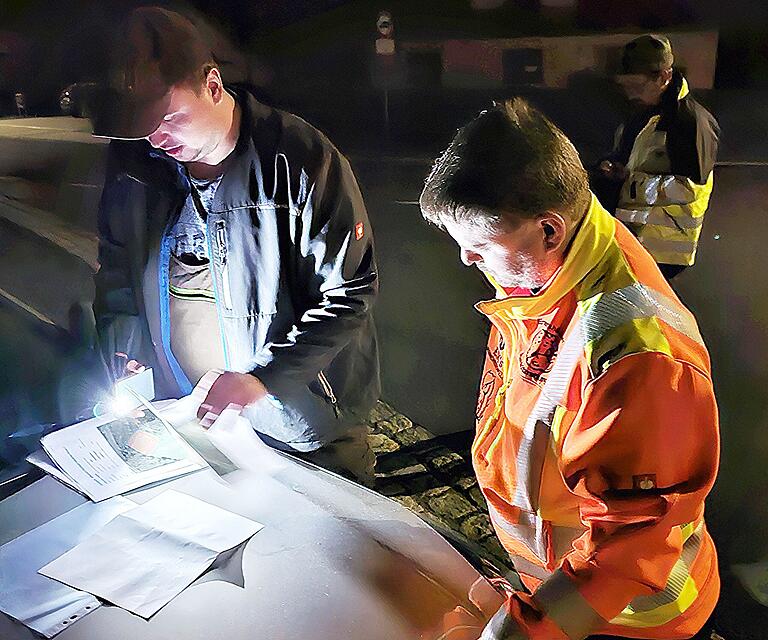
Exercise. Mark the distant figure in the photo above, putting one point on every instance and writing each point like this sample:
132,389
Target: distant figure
663,156
597,428
233,237
21,103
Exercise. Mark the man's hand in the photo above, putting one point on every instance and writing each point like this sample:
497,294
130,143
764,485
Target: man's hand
131,366
613,170
240,389
502,627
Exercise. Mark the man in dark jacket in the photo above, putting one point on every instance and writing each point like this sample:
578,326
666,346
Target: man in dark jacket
233,238
663,156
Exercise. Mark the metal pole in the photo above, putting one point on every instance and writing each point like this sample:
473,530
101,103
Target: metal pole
386,115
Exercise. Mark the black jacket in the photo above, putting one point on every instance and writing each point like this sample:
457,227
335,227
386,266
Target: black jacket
292,260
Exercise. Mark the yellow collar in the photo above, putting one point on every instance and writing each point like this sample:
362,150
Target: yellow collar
589,245
684,90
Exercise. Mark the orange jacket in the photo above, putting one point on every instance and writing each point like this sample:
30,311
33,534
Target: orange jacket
597,442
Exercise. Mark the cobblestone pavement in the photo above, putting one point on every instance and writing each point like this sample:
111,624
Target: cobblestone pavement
433,477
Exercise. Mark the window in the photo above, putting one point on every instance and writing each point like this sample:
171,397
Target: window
522,67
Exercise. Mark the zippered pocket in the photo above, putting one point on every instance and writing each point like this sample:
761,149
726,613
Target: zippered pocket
226,291
220,231
328,390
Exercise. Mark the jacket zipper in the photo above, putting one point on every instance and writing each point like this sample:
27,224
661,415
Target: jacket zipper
165,330
216,257
329,392
221,243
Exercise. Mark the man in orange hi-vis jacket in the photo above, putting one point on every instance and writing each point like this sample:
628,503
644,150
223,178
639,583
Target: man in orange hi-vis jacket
597,430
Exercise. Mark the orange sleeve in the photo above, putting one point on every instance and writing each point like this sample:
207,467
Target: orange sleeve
641,453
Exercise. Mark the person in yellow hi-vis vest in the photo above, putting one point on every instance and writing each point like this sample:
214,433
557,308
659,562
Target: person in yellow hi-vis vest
597,432
663,156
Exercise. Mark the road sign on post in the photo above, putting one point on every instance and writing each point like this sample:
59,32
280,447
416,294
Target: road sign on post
385,43
386,60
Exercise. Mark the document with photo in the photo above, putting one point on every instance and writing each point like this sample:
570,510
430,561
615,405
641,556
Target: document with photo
110,455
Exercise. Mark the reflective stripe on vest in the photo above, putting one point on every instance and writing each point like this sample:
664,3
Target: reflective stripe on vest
537,535
658,216
670,251
600,316
679,593
560,601
666,213
528,530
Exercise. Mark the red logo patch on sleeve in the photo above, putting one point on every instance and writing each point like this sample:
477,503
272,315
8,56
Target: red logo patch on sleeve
359,231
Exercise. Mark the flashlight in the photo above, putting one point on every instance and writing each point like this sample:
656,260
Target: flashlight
127,393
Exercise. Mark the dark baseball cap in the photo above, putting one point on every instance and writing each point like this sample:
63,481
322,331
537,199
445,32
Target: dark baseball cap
647,54
153,50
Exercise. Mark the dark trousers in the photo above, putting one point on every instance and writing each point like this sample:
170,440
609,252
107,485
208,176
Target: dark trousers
350,456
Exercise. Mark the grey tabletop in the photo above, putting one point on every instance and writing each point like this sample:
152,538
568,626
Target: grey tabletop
334,560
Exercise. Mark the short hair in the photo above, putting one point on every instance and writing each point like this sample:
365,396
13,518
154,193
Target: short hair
509,163
196,79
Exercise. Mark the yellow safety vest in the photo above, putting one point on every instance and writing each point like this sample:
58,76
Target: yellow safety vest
665,211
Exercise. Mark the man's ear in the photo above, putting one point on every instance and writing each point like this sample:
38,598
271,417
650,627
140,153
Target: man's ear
554,228
214,85
666,77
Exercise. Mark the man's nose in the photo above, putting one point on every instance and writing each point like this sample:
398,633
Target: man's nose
469,257
157,137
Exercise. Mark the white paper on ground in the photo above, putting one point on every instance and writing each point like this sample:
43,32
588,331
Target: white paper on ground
42,604
147,556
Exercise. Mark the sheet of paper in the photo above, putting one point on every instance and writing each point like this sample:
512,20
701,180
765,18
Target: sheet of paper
233,435
230,442
42,460
42,604
147,556
109,455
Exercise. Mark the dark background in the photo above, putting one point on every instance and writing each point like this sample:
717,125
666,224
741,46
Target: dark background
315,58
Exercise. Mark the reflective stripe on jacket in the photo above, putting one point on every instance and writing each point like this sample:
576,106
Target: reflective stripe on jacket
597,442
663,199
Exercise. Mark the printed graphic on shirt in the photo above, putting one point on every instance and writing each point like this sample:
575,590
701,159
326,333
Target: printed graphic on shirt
495,356
488,386
536,362
492,378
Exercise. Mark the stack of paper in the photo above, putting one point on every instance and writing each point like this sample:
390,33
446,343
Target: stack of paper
45,605
109,455
136,557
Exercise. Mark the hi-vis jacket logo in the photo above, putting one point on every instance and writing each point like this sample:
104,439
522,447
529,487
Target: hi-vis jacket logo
537,361
492,379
